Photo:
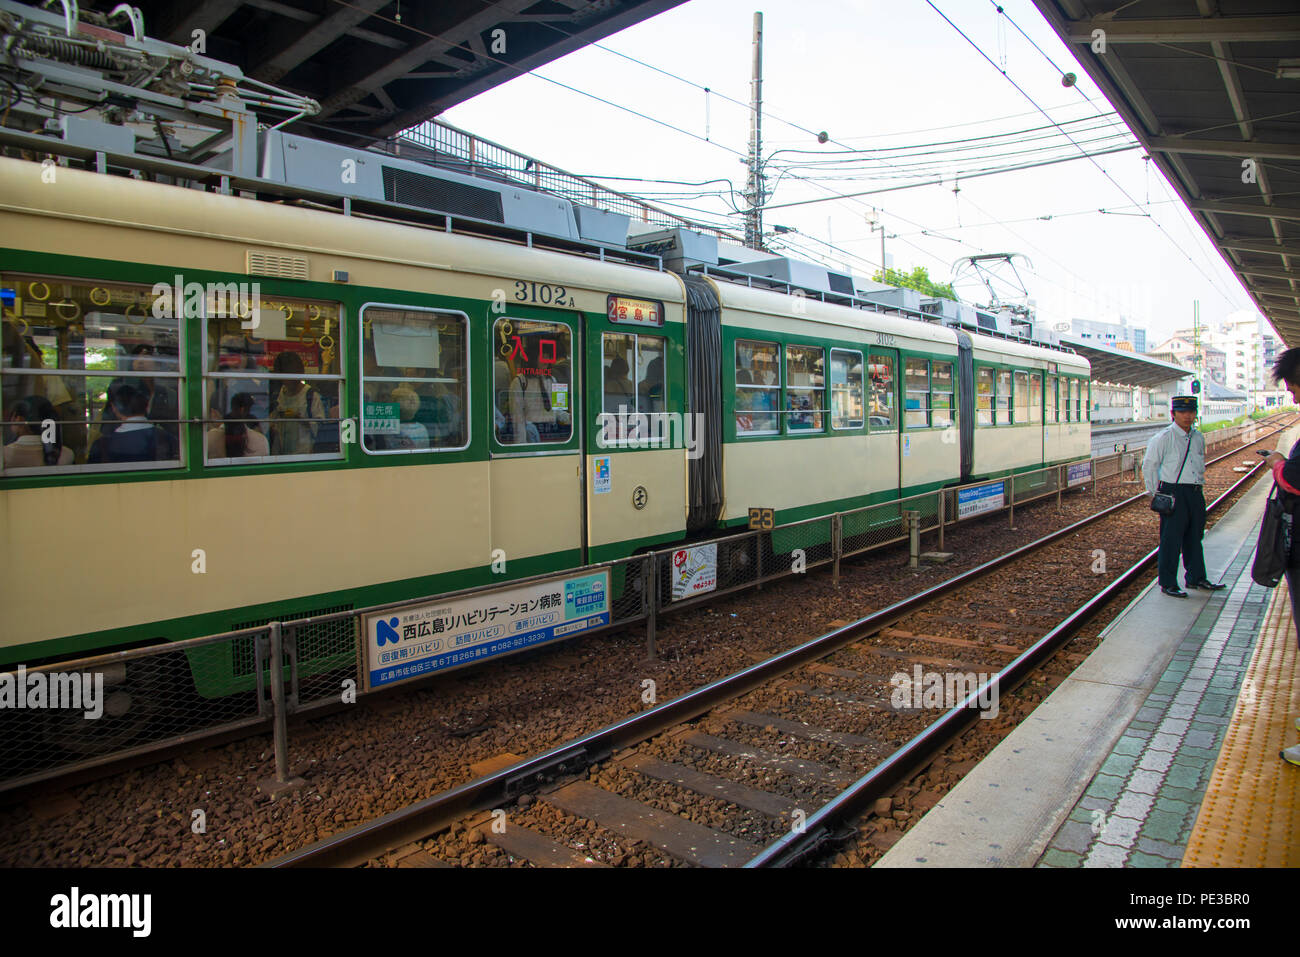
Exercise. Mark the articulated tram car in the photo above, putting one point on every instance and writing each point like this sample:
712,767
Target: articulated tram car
268,411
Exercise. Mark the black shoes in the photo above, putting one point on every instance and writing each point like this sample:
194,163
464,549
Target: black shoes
1203,585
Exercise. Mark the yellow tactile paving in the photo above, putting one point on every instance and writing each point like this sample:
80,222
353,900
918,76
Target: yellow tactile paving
1251,813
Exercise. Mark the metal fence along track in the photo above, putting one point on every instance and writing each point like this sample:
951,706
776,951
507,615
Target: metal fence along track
163,698
357,845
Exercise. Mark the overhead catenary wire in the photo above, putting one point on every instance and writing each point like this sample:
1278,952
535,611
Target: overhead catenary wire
939,182
709,91
934,129
1181,212
710,141
1103,170
954,165
1110,119
964,143
519,71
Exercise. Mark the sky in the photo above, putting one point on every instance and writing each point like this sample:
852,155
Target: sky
879,74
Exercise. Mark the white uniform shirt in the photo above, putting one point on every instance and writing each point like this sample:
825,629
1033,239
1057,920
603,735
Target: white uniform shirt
1165,454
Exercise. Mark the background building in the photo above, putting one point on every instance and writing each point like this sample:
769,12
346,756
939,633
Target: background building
1180,349
1238,354
1113,334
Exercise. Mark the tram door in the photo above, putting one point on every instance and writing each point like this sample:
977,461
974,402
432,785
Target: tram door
536,460
633,450
1037,417
884,422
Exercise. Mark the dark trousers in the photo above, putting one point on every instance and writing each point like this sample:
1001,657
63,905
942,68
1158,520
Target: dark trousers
1180,533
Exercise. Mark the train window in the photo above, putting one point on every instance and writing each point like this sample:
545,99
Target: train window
1036,397
414,387
883,414
805,388
531,382
1003,416
91,377
1050,398
846,389
917,378
1021,398
758,387
983,396
941,394
1087,400
1074,400
271,389
632,383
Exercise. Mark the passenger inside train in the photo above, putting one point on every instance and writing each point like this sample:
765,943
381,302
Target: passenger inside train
296,409
135,439
30,420
238,436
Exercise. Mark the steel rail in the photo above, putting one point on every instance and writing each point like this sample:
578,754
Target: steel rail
362,843
101,766
882,779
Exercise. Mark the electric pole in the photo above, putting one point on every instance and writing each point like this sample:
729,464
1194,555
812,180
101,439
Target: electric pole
754,190
1198,356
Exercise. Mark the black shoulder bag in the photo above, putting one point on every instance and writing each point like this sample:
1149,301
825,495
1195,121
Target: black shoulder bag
1163,502
1273,550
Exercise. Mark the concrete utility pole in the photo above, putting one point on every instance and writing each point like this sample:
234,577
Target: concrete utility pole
875,222
754,190
1198,355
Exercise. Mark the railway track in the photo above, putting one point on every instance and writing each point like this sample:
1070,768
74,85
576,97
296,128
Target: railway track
764,766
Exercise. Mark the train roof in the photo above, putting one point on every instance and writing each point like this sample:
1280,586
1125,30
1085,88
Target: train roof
282,227
1028,350
765,301
769,302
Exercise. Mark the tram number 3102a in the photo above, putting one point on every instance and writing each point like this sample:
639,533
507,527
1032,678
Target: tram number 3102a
542,292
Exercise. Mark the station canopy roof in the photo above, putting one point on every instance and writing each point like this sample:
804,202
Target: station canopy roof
1125,368
378,67
1211,88
1215,391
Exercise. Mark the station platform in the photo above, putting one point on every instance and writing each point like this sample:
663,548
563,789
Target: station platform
1160,750
1108,437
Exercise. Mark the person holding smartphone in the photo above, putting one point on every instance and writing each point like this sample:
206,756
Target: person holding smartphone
1286,472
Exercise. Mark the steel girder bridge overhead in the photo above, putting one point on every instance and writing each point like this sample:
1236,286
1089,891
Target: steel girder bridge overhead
1211,88
378,67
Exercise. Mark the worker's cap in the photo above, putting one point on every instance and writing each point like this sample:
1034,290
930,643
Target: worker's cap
1183,403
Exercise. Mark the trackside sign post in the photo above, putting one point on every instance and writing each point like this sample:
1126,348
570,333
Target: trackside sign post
420,639
695,571
1079,473
979,498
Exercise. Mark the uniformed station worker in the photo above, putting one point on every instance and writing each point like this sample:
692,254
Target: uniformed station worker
1175,464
